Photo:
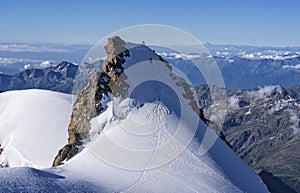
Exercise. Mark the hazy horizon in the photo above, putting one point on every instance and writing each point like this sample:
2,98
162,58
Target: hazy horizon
204,43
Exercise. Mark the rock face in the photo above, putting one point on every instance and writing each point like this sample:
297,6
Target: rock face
263,128
88,103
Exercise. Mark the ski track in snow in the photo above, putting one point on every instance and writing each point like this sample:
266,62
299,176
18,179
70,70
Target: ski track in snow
163,135
155,143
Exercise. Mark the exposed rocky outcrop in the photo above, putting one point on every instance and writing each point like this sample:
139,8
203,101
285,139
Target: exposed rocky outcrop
88,103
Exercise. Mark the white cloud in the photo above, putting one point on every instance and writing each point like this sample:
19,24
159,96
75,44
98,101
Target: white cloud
8,61
295,120
291,67
24,63
27,66
249,56
264,92
176,55
45,64
30,48
233,103
269,54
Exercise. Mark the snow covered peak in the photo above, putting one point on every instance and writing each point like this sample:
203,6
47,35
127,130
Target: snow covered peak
31,139
136,127
220,170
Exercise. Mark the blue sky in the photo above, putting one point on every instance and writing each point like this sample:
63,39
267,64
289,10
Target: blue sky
255,22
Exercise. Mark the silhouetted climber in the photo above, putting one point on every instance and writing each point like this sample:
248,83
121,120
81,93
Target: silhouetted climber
150,60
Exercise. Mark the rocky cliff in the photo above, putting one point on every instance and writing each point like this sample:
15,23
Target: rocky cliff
88,103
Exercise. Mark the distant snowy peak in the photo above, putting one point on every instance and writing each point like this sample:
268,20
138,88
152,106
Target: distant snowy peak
66,67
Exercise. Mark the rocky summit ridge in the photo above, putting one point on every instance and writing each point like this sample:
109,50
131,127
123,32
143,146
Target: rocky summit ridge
88,103
91,100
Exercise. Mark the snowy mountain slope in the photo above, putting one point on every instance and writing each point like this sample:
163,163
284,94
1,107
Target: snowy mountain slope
132,143
130,146
32,126
220,170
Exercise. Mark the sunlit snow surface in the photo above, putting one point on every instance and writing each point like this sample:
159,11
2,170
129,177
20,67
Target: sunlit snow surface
33,126
34,122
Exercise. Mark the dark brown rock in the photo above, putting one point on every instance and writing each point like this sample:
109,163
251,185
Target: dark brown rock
88,103
66,153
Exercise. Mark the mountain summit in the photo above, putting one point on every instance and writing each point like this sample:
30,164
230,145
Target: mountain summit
112,82
103,108
131,129
88,103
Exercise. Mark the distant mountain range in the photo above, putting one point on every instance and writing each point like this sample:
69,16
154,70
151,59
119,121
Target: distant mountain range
242,67
58,78
243,73
238,73
263,127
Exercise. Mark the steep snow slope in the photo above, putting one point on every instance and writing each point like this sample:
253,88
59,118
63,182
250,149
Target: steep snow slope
220,170
33,126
